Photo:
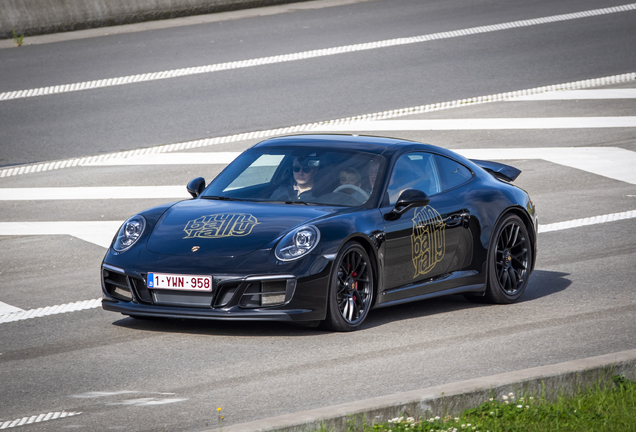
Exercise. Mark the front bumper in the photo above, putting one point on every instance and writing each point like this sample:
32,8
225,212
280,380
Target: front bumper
278,297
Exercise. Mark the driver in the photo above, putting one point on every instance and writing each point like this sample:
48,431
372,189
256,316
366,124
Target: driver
304,172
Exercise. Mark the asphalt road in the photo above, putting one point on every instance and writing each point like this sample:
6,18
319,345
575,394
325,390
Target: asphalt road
116,373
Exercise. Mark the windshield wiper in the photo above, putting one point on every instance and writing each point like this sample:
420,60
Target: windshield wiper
296,202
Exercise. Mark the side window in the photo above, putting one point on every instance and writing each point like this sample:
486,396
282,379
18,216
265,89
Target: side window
451,173
414,171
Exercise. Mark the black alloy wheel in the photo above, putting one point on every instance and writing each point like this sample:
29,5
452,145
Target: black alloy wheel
350,289
510,258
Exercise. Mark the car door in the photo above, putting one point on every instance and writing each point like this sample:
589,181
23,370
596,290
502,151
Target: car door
422,244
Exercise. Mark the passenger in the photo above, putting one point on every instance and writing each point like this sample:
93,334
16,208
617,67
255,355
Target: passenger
374,167
303,172
350,176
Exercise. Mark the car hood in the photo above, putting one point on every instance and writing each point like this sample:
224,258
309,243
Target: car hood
213,228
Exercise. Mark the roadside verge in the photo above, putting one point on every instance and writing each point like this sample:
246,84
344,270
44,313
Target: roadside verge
561,378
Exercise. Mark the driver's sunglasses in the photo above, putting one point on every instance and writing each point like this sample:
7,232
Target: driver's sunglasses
305,169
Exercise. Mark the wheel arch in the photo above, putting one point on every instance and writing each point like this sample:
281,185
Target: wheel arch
527,221
371,250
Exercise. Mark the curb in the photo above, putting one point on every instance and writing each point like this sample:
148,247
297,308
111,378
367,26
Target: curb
561,378
39,17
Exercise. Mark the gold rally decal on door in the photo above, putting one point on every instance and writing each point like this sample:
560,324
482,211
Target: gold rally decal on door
428,241
221,225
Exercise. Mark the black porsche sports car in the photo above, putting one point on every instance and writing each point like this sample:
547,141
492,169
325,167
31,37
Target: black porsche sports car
324,228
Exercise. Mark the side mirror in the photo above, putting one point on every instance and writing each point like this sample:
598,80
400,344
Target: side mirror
408,199
196,186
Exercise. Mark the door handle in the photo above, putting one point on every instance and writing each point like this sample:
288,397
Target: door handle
456,220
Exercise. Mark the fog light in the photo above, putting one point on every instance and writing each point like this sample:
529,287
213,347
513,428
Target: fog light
272,299
273,292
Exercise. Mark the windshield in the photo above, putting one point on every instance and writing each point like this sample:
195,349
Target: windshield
301,175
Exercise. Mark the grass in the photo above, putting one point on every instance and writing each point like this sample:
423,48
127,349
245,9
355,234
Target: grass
605,407
18,39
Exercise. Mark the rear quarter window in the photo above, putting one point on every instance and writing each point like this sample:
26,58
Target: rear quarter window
451,173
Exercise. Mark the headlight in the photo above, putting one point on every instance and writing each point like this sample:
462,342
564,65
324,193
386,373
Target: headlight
129,233
298,243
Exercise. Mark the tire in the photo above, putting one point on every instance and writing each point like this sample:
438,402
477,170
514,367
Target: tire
509,261
351,289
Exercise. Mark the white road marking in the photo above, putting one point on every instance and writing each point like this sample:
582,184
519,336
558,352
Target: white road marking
625,93
481,124
91,304
306,54
383,115
100,233
50,310
148,401
37,419
97,394
93,193
611,162
587,221
6,308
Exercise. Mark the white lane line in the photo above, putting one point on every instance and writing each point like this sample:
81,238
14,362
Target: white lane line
219,158
93,193
6,308
91,304
587,221
100,233
37,418
65,88
482,124
625,93
383,115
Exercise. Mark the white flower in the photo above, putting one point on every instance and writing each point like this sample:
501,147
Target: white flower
519,406
436,417
506,402
531,397
504,397
410,419
492,413
491,399
512,395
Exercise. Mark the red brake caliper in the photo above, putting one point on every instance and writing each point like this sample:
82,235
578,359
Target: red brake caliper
355,284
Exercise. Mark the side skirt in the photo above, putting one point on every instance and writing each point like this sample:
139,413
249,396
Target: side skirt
405,298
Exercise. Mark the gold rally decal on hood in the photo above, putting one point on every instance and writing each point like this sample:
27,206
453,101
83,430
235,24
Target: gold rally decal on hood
221,225
428,241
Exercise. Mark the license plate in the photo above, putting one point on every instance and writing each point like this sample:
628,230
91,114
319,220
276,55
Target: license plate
180,282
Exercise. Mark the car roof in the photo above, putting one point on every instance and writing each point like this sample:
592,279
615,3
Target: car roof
372,144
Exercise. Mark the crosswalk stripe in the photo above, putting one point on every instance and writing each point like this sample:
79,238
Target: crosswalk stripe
625,93
93,193
100,233
611,162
